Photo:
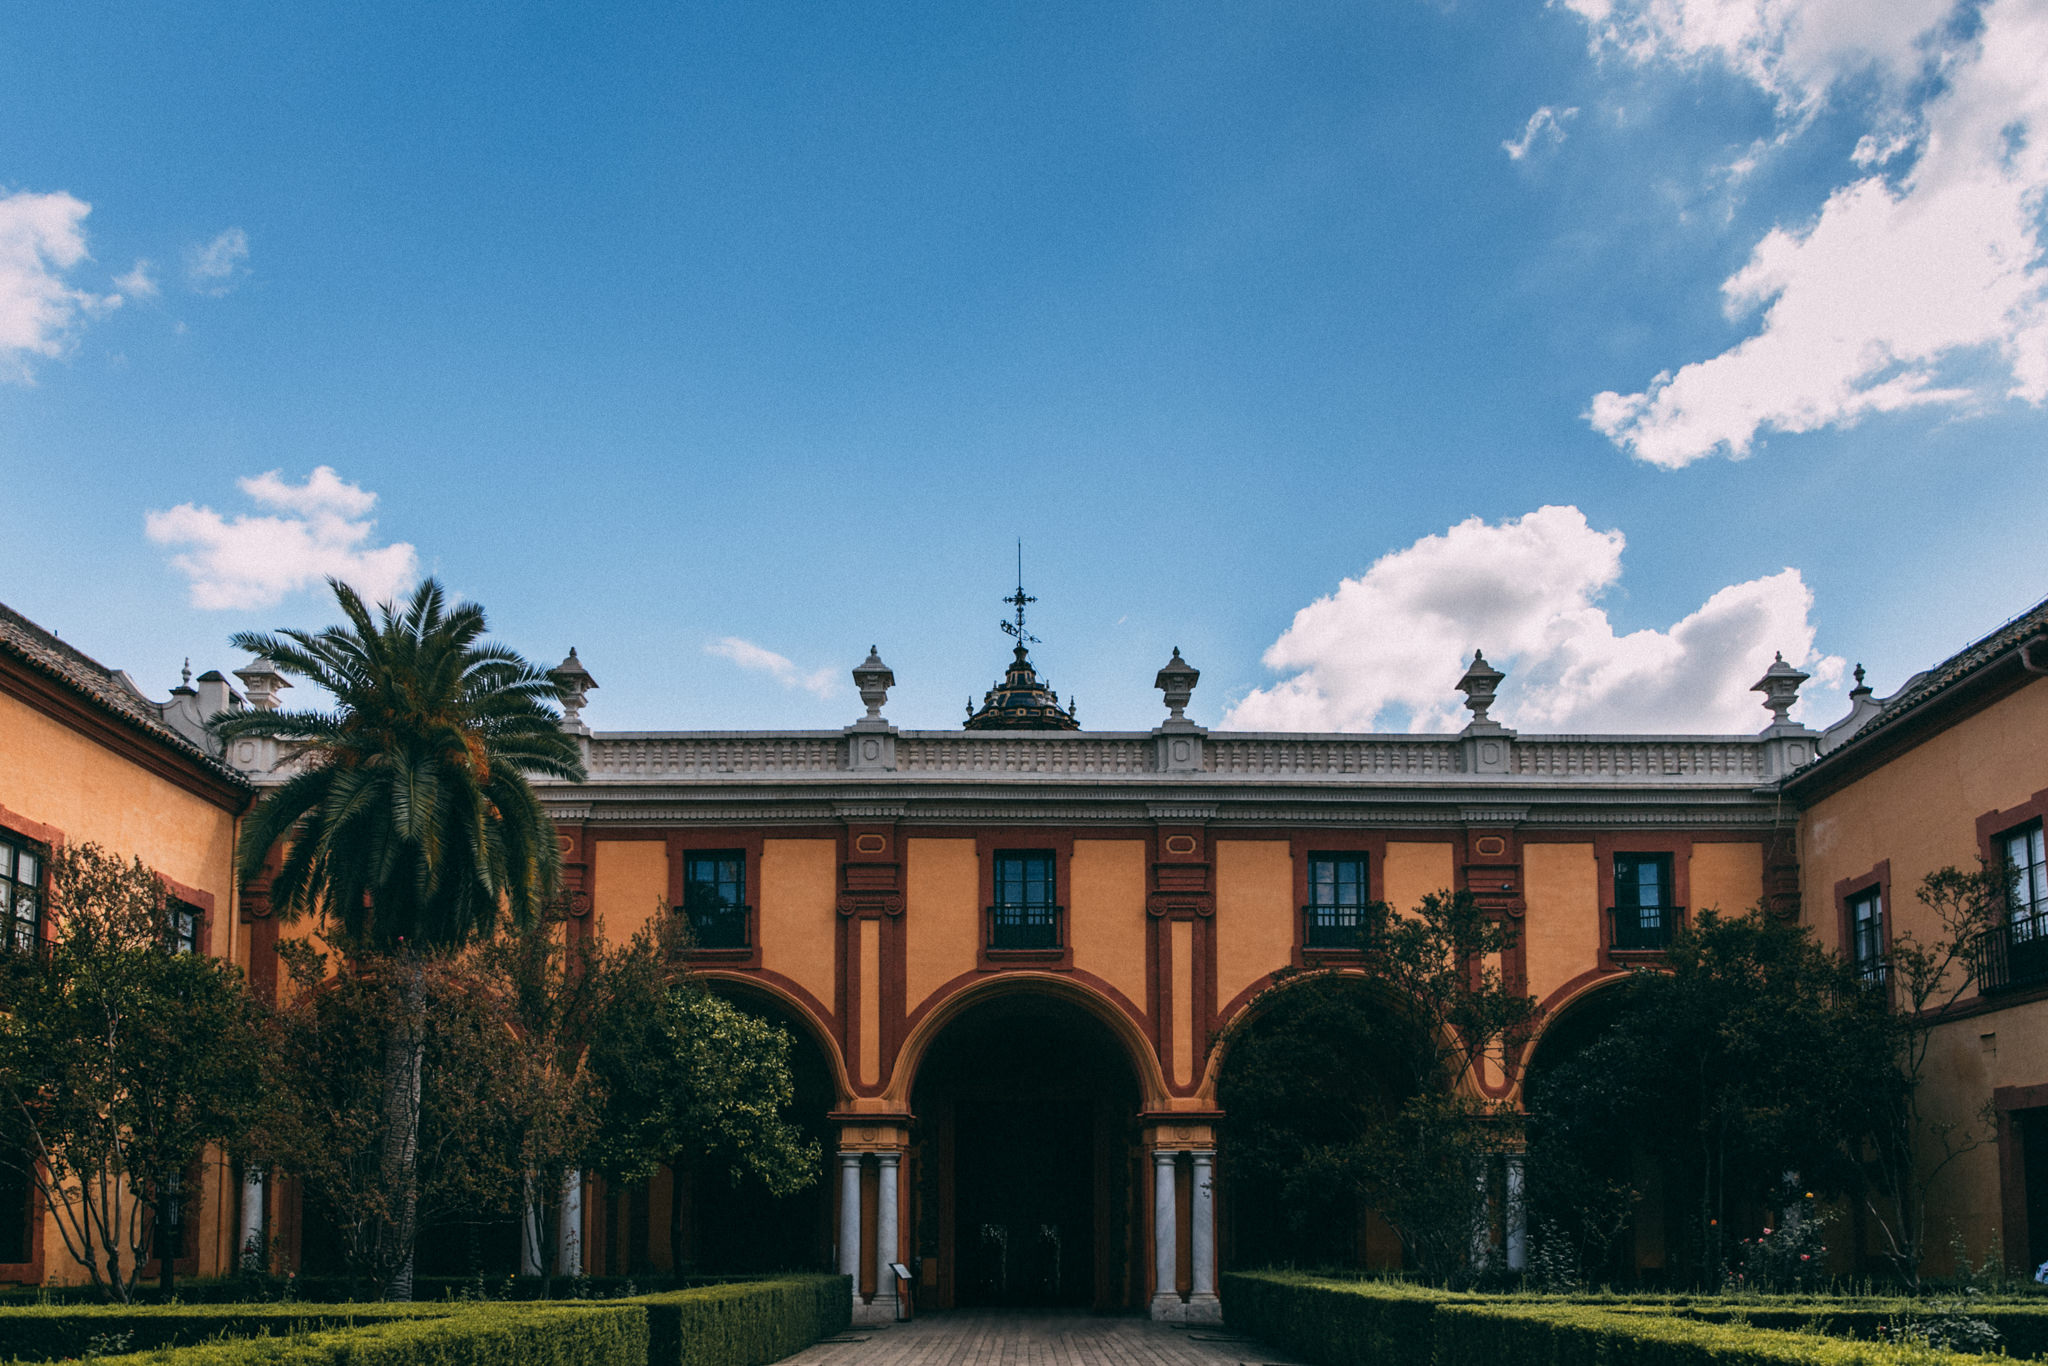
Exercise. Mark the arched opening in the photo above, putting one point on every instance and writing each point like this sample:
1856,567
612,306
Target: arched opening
1025,1148
1304,1077
716,1225
1593,1180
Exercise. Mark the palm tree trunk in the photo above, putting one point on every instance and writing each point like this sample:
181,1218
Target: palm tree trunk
404,1056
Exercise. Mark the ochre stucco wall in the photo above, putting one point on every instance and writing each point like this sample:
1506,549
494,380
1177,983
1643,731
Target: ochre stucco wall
1254,912
1727,877
1561,929
53,775
1106,913
799,908
942,914
630,882
1415,870
1920,810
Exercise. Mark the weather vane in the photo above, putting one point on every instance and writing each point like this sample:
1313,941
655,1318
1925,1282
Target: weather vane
1018,601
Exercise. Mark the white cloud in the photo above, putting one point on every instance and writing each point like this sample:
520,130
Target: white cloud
746,654
321,528
1546,123
216,267
1927,290
137,283
42,236
1391,643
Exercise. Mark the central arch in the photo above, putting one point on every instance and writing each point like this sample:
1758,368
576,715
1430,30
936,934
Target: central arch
1026,1149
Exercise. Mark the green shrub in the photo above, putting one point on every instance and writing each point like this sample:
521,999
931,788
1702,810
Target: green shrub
1334,1323
748,1324
47,1332
552,1335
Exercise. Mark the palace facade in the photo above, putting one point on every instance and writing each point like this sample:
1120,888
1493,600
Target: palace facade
1009,953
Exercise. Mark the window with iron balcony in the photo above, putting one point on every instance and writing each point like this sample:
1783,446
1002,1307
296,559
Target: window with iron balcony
1642,917
2015,954
1026,910
1338,913
715,898
1866,934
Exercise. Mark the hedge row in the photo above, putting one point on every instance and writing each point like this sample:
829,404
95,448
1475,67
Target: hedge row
1355,1323
341,1290
745,1324
485,1335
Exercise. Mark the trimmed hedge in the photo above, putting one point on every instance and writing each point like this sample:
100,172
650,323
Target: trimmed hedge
486,1335
339,1289
1359,1323
745,1325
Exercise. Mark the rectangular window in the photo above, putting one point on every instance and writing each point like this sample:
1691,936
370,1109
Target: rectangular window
21,893
1866,934
1026,910
715,898
2028,910
1643,903
1338,890
185,920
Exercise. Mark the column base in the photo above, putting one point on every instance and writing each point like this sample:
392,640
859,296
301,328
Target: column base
1194,1309
882,1311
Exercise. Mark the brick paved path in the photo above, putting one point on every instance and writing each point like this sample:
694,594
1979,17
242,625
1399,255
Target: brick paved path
975,1337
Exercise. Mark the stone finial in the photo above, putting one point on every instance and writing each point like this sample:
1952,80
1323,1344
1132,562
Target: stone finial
1479,684
262,683
1780,687
184,688
1861,689
576,683
1177,680
874,679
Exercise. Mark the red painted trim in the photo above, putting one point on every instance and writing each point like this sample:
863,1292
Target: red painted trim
1606,844
1301,844
992,840
1879,877
2012,1170
1992,824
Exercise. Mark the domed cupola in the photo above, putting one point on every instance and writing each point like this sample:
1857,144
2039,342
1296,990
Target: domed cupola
1021,701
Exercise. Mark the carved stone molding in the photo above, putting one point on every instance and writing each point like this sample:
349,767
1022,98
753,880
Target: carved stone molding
863,905
1179,906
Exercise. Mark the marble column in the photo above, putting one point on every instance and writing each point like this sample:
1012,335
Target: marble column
1166,1301
529,1230
569,1244
1518,1216
886,1250
1203,1306
1482,1216
250,1252
849,1219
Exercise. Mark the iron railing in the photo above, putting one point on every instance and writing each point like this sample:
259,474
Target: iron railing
721,927
1336,927
1641,929
1024,925
2014,954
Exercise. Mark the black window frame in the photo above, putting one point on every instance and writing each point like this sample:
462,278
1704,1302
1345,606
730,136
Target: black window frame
1640,924
184,927
1339,891
1866,932
16,934
1024,902
717,905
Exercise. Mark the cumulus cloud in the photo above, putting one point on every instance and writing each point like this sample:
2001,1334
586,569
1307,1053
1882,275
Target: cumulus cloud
137,283
42,238
746,654
1546,124
216,267
1390,644
315,530
1916,287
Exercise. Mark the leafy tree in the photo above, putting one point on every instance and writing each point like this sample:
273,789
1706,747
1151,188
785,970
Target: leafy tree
695,1082
1352,1081
1751,1058
120,1060
1923,979
410,826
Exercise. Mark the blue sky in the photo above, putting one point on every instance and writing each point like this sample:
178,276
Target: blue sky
703,337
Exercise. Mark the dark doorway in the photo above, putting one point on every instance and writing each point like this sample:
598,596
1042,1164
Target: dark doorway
725,1226
1025,1112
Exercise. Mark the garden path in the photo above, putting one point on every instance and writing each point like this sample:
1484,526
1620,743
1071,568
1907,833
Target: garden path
975,1337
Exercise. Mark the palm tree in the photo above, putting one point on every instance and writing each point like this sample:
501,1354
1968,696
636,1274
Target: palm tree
412,826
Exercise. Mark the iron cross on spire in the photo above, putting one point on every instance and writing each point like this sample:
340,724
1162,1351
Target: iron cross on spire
1019,600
